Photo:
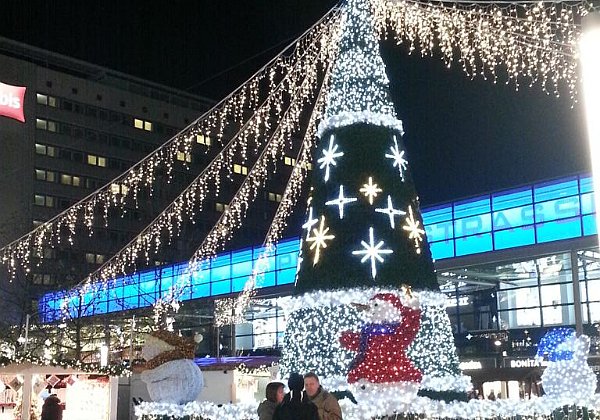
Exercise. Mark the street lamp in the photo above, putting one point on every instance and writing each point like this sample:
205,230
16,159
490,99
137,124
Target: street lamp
589,51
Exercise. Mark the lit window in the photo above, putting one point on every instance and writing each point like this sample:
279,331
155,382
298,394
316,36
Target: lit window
142,124
275,197
41,124
289,161
220,207
42,149
240,169
94,258
46,100
119,189
96,160
43,175
202,139
66,179
42,99
43,200
184,157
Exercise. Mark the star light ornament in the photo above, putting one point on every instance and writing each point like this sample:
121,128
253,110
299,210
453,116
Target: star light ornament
329,157
372,252
391,211
370,190
319,239
341,201
310,222
398,157
413,227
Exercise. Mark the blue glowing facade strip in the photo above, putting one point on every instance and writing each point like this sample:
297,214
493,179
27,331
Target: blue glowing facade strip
545,212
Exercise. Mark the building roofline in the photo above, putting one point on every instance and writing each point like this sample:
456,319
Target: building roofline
98,74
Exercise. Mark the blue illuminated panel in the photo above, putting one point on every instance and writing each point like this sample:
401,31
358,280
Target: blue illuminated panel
552,211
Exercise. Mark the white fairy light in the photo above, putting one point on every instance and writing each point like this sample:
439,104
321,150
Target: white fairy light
414,229
341,201
310,222
397,156
390,211
319,239
370,190
329,156
372,252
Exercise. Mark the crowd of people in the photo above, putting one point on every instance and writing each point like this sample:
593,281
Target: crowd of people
306,400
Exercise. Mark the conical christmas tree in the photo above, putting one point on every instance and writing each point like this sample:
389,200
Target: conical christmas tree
367,309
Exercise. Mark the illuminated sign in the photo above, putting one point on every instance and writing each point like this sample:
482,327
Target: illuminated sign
11,101
470,365
525,363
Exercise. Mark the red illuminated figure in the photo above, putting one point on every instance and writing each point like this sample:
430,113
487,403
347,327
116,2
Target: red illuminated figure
381,344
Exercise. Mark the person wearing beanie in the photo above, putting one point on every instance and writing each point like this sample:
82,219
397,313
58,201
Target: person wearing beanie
274,397
295,405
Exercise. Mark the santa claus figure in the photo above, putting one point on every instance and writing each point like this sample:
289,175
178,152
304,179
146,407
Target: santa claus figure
171,375
381,343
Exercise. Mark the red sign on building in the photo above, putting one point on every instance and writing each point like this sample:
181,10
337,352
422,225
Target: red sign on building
11,101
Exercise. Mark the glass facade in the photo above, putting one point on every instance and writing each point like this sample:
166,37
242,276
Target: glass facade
519,295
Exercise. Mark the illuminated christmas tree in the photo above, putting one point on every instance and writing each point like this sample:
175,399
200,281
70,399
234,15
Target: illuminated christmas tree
368,312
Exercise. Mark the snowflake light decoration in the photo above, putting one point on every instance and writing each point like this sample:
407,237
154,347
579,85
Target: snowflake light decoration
391,211
413,227
310,222
398,156
329,157
372,252
319,239
341,201
370,190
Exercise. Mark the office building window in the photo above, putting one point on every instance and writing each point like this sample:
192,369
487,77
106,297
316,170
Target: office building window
46,100
202,139
290,161
43,200
96,161
42,149
184,157
44,175
275,197
66,179
44,279
142,124
240,169
220,207
119,189
42,124
91,258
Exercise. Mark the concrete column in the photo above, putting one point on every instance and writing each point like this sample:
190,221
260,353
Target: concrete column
26,403
576,293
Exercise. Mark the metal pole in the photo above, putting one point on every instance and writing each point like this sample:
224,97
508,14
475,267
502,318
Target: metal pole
26,332
576,293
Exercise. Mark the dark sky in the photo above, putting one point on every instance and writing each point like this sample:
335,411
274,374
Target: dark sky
464,137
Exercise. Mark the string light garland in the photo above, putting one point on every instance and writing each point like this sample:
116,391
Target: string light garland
522,42
284,209
111,370
310,51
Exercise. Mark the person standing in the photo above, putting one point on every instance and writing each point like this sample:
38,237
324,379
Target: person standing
296,405
52,410
327,404
274,397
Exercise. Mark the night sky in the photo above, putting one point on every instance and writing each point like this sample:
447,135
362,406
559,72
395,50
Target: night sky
464,137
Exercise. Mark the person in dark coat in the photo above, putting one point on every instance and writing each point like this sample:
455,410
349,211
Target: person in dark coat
52,410
296,405
274,395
